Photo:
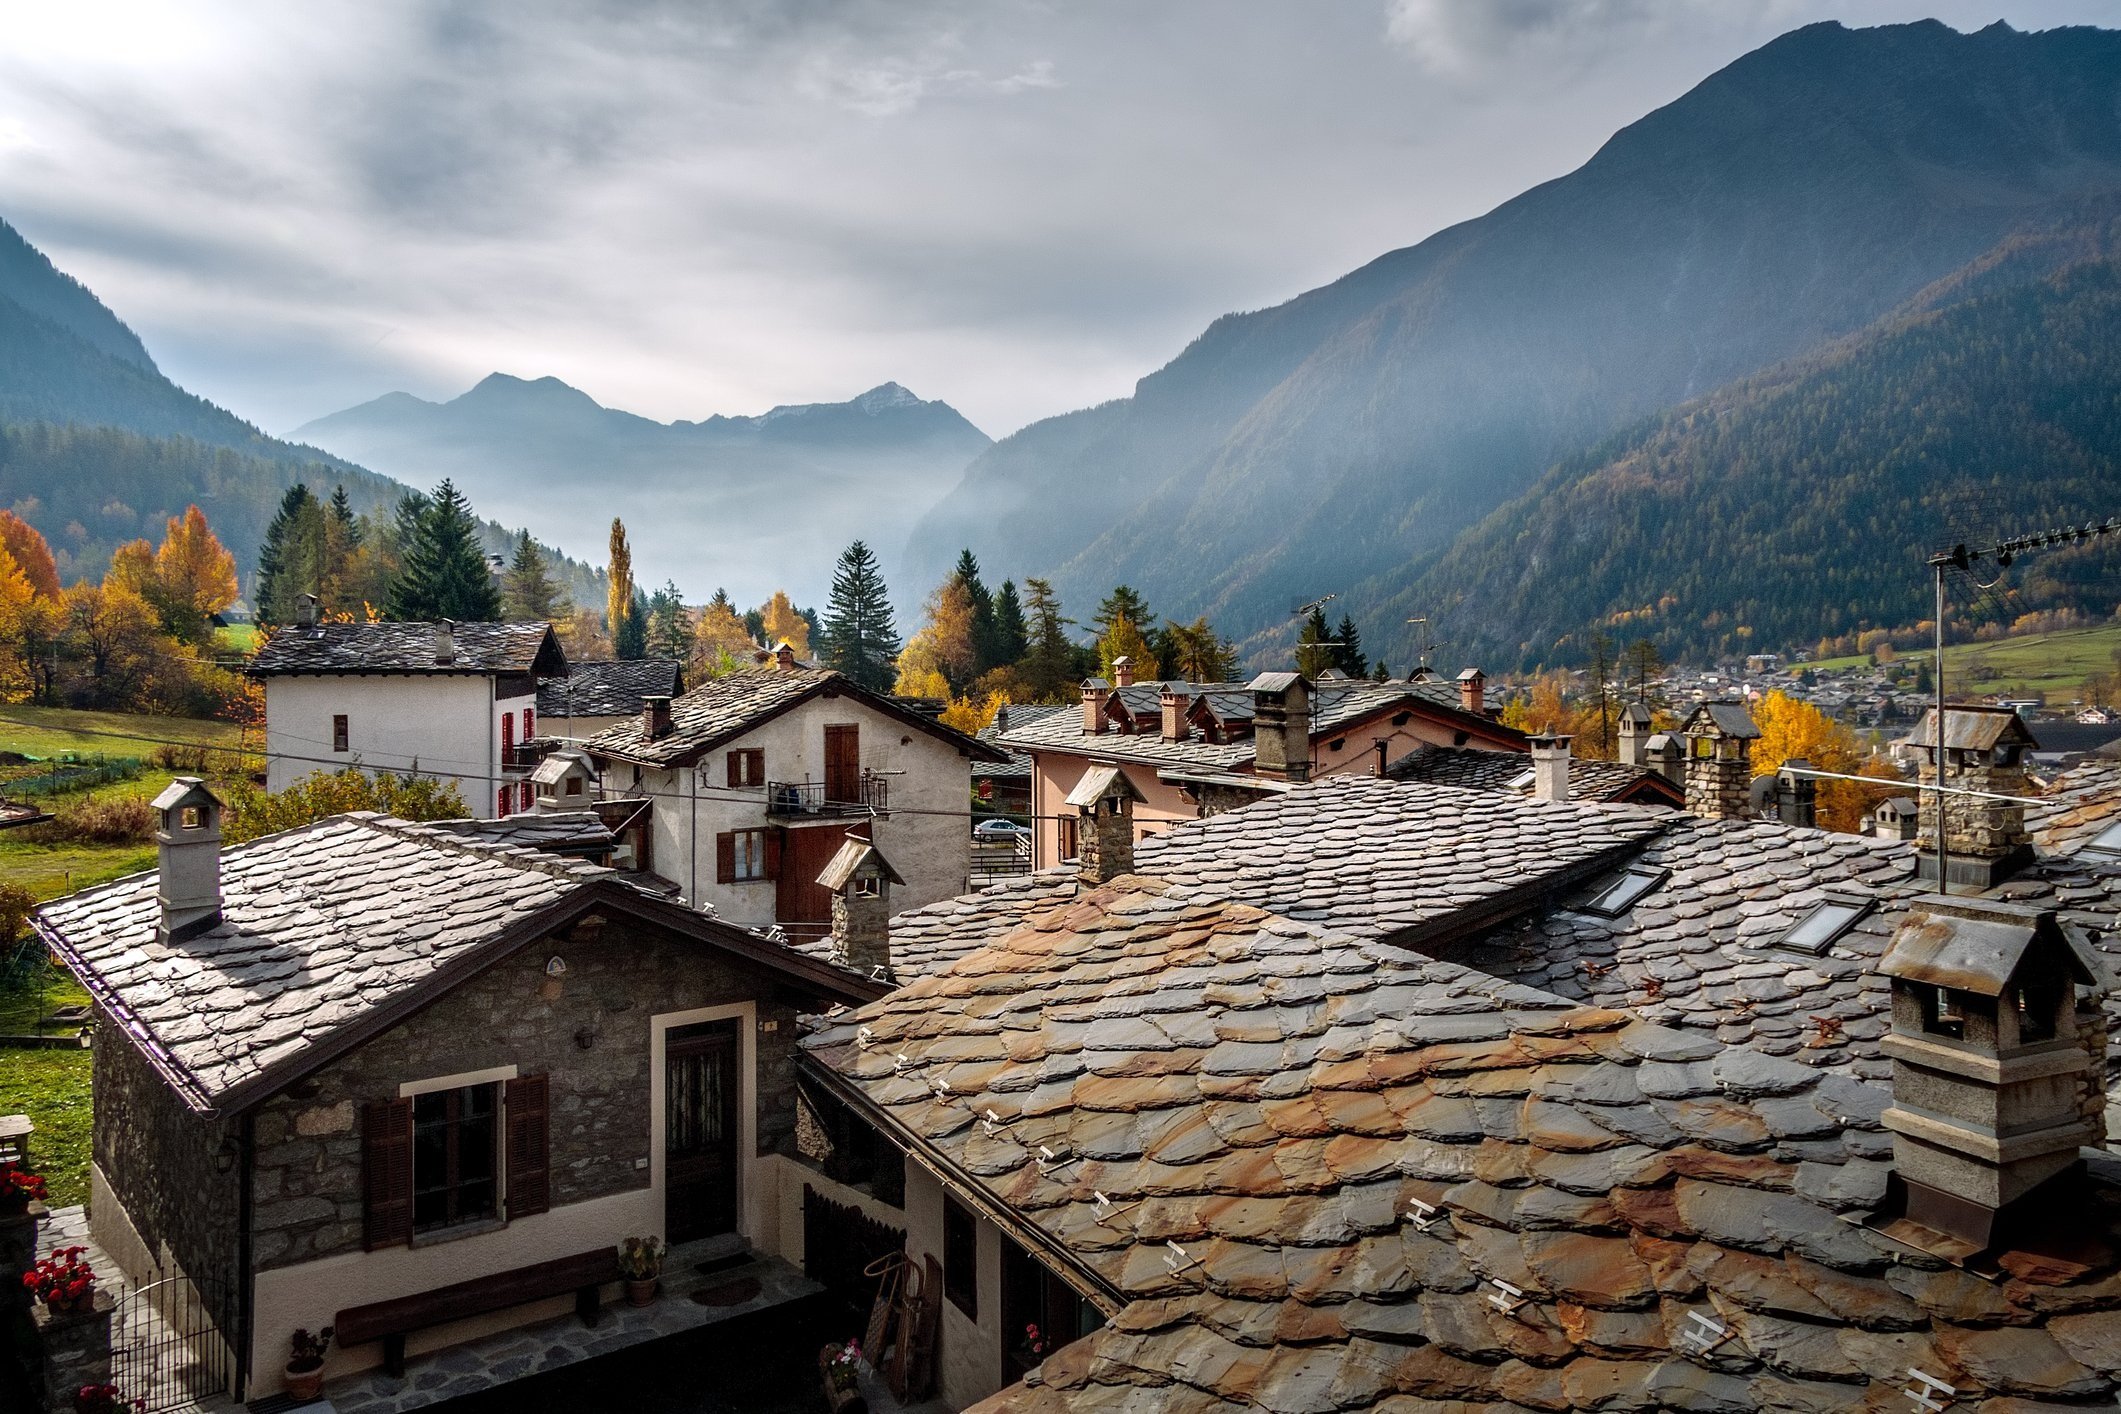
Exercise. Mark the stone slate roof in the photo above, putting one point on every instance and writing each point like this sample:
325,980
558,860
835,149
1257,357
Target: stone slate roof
722,709
319,926
609,689
480,649
1261,1103
1018,766
553,832
1335,707
1470,769
2081,803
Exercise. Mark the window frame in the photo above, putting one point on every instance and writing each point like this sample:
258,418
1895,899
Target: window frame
1784,941
341,732
1649,878
961,1256
746,768
2106,842
453,1126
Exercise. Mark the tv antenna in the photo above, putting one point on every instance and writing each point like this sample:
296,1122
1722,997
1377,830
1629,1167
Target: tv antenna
1319,603
1424,649
1964,560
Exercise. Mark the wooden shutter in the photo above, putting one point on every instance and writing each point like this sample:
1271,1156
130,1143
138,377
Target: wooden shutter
530,723
725,858
773,853
735,763
386,1174
529,1147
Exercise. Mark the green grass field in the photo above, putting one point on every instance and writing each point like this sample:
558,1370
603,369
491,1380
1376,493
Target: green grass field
49,870
2054,664
52,1088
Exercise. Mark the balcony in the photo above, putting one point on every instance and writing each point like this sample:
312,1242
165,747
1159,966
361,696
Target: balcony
808,800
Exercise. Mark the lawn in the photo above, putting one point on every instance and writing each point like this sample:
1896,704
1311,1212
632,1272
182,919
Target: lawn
2055,664
49,870
51,1087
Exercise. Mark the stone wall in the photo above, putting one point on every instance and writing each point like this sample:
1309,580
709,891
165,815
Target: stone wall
1719,788
1975,828
163,1162
619,975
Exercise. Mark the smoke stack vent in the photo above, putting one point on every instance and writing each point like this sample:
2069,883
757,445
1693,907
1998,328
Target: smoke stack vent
1105,799
1095,693
1281,726
1473,691
1719,740
187,858
655,715
1173,703
1550,768
860,880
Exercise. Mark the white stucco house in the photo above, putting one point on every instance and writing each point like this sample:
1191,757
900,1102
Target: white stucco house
455,701
755,780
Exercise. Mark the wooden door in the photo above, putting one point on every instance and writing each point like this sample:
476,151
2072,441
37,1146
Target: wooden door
798,897
700,1129
843,763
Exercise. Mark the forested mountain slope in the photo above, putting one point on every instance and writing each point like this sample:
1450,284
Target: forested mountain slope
1802,503
1342,440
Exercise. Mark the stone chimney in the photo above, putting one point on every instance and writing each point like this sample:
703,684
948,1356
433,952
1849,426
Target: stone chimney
445,642
187,859
306,607
860,880
1104,800
1984,750
1796,796
1719,759
1095,693
1281,726
1635,732
655,715
1174,703
1123,671
784,656
1998,1073
1473,691
1550,768
1665,754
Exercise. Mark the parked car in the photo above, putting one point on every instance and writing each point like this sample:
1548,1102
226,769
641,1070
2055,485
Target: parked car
1001,832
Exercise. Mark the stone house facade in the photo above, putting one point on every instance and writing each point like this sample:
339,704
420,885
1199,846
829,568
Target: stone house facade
525,1060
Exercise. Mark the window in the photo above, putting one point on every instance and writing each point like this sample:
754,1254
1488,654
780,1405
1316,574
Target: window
508,737
1816,931
868,886
2036,1001
747,768
338,732
455,1156
1033,1296
574,785
1069,849
1942,1014
745,856
2107,841
960,1256
1621,895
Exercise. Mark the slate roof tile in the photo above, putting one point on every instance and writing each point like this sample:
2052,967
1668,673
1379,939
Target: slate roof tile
408,647
612,689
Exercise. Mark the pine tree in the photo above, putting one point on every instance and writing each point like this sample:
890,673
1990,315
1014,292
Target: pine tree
444,574
619,585
670,630
287,563
629,641
528,591
1049,661
1011,635
1347,654
1314,652
982,601
859,638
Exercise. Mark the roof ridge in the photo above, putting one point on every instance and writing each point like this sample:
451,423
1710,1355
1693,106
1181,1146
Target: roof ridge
516,855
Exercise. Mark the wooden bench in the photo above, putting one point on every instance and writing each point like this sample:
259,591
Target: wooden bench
391,1321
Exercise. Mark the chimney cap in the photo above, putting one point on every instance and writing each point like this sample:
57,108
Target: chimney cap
1472,675
1099,782
1276,682
854,853
1973,945
1636,714
1730,719
185,790
1974,728
1096,685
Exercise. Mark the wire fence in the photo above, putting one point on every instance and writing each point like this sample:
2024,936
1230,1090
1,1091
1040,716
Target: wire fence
63,775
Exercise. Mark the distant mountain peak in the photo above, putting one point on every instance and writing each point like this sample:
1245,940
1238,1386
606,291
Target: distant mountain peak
886,395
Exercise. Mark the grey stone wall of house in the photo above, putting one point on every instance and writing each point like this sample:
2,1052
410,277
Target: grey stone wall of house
1718,787
307,1196
166,1163
1215,799
1977,828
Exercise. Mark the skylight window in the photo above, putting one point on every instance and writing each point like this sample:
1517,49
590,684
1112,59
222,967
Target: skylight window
1523,781
2107,841
1621,895
1821,927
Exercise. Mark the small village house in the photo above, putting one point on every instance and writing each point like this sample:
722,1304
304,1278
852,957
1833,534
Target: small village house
454,701
595,697
418,1084
755,779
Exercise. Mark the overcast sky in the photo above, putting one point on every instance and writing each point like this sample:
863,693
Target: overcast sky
1017,207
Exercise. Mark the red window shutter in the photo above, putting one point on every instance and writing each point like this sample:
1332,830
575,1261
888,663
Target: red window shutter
500,801
530,723
735,761
529,1172
386,1174
773,853
725,858
508,734
523,797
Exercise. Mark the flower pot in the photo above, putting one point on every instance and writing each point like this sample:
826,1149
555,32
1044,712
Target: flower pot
641,1293
307,1382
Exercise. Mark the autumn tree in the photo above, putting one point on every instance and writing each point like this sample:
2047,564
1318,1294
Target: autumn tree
1199,654
784,624
943,645
195,576
859,638
618,591
1792,729
113,633
28,621
720,642
30,553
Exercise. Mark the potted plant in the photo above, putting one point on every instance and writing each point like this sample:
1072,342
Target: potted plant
62,1281
841,1366
305,1363
641,1264
103,1399
19,1188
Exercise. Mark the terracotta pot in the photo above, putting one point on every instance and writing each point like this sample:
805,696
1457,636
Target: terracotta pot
307,1383
641,1293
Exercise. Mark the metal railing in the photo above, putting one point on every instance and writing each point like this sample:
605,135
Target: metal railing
795,799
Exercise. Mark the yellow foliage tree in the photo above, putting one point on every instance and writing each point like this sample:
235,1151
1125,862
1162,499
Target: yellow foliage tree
720,642
32,556
974,713
1124,639
25,623
785,625
943,643
1792,730
921,682
196,575
113,633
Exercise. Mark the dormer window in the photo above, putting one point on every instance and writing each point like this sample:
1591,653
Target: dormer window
2107,841
1822,927
1621,895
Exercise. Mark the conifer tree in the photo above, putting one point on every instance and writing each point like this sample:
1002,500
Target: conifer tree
444,573
982,601
528,591
288,564
1011,634
670,630
1313,653
1347,653
1049,662
629,641
858,637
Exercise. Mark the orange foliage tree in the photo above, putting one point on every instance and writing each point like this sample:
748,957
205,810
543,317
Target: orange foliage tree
30,553
1792,730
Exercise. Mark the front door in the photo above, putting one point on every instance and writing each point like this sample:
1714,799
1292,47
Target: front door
843,763
700,1130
